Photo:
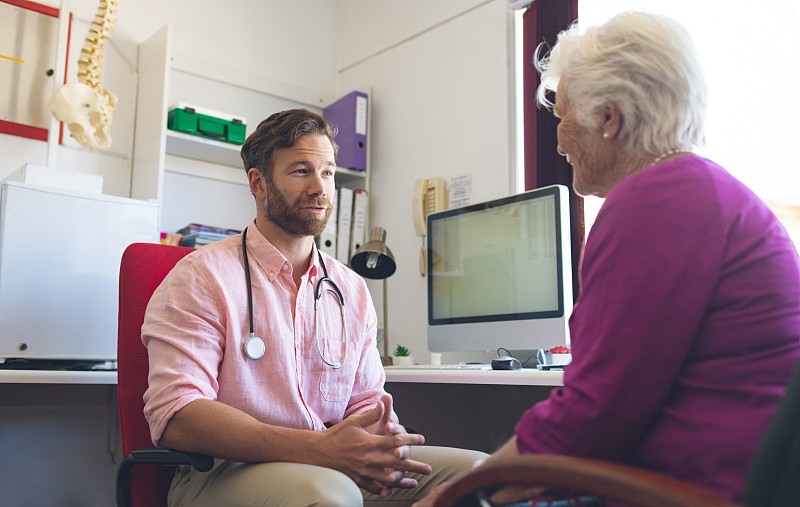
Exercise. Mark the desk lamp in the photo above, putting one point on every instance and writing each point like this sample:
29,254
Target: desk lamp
374,260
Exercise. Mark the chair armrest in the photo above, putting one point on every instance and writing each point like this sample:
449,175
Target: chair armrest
612,481
155,456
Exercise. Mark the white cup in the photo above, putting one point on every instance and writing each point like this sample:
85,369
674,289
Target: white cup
436,358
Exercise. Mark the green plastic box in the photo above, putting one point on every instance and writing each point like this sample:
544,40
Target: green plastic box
192,120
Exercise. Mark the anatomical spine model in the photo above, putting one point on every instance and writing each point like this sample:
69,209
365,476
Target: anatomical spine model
85,106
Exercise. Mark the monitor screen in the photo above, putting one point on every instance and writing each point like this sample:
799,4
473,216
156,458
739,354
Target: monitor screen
499,274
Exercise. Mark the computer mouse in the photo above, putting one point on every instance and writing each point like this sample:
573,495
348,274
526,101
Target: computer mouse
506,363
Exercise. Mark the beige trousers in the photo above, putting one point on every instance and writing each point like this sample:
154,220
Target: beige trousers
296,485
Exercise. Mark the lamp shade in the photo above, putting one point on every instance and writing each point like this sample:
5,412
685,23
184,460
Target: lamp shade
374,260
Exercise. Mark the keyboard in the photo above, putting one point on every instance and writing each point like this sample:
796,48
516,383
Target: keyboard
440,367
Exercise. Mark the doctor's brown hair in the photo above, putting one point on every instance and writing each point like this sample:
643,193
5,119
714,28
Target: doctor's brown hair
282,130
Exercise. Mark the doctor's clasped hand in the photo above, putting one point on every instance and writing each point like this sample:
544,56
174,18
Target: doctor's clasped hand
373,451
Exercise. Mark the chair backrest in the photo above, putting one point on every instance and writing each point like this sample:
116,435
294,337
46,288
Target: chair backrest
773,479
143,267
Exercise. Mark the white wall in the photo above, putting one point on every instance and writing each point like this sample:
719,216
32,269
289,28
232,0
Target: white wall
441,80
440,75
287,42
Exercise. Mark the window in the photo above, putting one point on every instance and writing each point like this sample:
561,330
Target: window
747,51
519,83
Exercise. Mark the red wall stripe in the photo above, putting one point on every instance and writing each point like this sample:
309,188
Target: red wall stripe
33,6
19,129
66,66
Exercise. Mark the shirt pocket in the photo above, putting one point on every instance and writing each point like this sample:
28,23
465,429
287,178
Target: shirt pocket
336,384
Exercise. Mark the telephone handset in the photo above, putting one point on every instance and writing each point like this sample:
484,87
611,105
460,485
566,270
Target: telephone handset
430,195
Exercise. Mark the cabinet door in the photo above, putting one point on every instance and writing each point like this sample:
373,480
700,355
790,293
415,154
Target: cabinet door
151,112
59,272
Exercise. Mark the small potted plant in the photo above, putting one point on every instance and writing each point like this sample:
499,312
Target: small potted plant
402,356
560,356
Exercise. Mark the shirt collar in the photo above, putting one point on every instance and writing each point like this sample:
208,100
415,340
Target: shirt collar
271,260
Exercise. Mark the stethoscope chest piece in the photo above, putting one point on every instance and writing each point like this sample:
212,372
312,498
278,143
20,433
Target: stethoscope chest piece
254,348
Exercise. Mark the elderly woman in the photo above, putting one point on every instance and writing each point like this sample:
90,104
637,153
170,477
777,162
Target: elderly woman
686,331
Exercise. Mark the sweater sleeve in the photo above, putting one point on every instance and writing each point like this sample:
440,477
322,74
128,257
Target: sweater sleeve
649,270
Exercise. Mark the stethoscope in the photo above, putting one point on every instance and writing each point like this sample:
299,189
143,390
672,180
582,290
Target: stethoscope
254,347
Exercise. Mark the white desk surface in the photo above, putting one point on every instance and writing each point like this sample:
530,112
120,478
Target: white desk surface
530,377
57,377
524,377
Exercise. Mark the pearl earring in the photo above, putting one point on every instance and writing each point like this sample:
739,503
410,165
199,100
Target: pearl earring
605,135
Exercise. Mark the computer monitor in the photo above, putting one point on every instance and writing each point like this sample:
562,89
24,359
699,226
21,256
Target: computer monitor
500,274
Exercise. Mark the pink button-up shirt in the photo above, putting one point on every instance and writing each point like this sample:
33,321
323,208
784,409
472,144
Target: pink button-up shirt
197,322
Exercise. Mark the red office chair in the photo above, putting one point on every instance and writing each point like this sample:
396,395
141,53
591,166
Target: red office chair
143,267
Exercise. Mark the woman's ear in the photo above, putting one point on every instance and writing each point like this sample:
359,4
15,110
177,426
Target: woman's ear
612,121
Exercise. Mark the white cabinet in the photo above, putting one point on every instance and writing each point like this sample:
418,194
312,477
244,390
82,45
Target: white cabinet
59,270
192,178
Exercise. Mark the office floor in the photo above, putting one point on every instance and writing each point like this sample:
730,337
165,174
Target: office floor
59,445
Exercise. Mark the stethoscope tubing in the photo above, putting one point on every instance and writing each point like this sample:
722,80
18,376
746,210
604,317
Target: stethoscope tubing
254,347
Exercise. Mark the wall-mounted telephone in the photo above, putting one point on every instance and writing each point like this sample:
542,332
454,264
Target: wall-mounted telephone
430,195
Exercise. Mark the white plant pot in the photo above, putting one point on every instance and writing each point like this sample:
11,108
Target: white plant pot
560,359
402,360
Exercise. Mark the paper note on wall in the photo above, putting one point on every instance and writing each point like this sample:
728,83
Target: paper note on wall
459,190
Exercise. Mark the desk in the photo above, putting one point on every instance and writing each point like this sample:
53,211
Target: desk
53,423
59,431
57,377
472,409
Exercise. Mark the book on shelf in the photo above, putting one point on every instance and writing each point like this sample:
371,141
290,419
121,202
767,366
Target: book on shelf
197,235
359,220
194,228
326,241
171,238
345,231
344,217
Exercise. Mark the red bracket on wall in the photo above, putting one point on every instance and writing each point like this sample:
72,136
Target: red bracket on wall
20,129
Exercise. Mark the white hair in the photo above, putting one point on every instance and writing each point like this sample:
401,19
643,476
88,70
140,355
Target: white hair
645,64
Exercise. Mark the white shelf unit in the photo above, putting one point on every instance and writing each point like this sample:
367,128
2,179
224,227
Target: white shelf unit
218,152
195,179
